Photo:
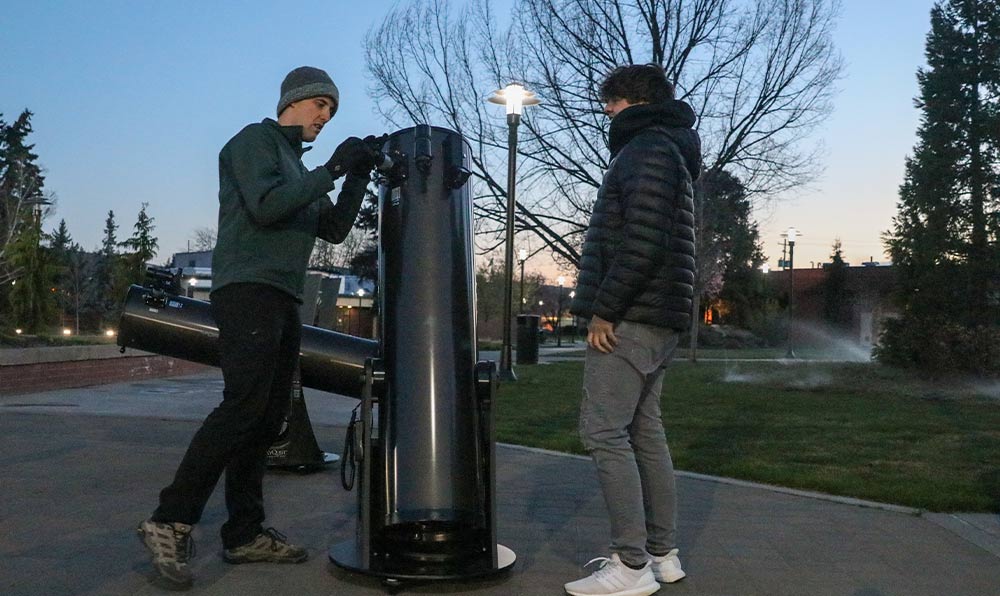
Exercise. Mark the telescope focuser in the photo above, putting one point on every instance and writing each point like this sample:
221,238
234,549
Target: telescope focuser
163,279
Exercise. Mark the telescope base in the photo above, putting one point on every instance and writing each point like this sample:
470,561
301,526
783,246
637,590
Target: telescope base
345,555
303,466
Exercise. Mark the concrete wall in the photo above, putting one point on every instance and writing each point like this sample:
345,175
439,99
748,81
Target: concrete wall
30,370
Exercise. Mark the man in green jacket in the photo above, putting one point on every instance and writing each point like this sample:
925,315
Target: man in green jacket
271,209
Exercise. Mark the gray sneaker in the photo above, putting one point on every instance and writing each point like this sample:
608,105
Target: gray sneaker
270,546
171,546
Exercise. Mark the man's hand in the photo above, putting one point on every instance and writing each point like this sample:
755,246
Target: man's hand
373,144
601,335
347,157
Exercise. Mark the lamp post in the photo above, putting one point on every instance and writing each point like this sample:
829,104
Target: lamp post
561,280
572,295
790,235
37,204
361,294
514,97
522,256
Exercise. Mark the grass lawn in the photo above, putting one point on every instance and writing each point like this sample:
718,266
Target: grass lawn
859,430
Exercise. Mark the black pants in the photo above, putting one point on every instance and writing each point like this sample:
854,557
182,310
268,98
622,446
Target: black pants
259,337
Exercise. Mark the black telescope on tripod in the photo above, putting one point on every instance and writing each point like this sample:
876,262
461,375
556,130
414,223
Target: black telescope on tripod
423,445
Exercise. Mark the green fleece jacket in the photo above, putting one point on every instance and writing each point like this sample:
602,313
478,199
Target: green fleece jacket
271,209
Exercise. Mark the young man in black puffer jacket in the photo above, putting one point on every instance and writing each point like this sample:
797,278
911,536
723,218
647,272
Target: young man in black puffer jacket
635,285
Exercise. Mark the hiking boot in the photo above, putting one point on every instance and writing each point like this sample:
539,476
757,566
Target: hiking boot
667,569
614,578
171,546
270,546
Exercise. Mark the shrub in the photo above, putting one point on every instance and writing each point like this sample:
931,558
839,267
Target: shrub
937,346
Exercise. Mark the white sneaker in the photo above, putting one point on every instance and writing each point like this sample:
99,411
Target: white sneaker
614,578
667,569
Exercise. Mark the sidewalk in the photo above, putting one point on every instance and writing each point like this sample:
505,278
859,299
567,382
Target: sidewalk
81,467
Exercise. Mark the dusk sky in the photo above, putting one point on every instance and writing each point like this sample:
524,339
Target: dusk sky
133,100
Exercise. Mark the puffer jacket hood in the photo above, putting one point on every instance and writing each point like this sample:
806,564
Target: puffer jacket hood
675,116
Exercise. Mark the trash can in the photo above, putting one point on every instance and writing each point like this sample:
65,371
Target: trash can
527,339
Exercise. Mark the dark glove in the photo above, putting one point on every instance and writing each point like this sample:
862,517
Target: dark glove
350,155
374,145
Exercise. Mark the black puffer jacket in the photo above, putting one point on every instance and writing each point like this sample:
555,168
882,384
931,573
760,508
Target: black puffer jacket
638,256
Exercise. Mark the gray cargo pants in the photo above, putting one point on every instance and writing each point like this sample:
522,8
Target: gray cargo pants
621,428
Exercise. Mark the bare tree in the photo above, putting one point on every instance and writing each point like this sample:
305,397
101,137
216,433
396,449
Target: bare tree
759,74
203,239
326,254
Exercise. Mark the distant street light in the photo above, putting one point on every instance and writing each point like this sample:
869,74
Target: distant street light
562,281
572,295
515,97
790,235
361,295
522,256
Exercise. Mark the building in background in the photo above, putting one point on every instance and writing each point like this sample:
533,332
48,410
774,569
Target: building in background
867,290
332,299
195,269
337,300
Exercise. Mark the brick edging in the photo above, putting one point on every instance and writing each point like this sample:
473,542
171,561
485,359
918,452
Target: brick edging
47,376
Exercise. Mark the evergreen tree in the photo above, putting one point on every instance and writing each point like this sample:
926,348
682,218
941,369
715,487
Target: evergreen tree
728,249
102,297
140,249
21,178
837,298
31,295
61,241
944,236
364,263
62,246
24,262
364,260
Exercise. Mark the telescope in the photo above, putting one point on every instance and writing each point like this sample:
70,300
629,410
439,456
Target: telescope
423,444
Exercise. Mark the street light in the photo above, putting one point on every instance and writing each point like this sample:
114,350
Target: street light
790,235
515,97
572,295
361,294
561,280
37,204
522,256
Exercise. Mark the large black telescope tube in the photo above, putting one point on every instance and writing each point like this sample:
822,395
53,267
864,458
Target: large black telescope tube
162,323
428,419
426,499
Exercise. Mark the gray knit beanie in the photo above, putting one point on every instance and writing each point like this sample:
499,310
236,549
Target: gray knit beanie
305,82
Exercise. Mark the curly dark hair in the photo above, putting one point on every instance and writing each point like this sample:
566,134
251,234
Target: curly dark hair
637,83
